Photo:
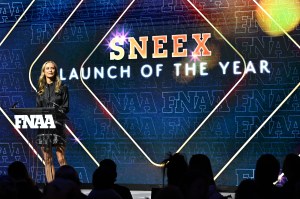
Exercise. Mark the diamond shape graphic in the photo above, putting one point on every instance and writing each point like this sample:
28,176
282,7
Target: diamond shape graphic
2,111
32,85
274,111
102,104
117,121
16,23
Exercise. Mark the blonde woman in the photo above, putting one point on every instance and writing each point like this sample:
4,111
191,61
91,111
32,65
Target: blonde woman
51,93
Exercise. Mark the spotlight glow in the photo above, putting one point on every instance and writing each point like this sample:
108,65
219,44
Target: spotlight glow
120,36
194,58
285,13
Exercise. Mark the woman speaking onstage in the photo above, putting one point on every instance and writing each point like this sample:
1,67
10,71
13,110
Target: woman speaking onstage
51,93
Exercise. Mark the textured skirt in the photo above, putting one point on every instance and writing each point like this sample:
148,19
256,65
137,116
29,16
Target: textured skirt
51,137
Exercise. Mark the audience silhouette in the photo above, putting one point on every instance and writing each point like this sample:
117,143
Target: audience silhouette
184,181
61,188
66,184
246,190
104,184
262,187
291,169
266,173
68,172
169,192
123,191
175,166
200,179
103,180
7,187
25,186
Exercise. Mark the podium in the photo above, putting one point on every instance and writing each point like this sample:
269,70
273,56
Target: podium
40,111
48,121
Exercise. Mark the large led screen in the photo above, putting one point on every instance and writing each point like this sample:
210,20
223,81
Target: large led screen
151,77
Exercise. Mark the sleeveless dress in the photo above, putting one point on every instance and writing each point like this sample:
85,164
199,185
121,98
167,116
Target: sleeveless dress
50,98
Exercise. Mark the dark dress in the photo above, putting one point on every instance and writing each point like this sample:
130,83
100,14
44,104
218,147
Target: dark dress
60,100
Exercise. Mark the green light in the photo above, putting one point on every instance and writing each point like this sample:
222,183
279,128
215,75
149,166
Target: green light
285,13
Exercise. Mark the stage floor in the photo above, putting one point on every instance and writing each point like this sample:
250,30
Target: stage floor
147,194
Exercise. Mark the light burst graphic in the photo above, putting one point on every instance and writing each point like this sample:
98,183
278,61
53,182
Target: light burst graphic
122,36
208,116
201,124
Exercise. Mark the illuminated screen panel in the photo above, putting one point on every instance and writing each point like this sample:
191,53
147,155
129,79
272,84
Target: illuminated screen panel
153,73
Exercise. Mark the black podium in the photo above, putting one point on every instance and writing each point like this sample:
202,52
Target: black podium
49,134
57,115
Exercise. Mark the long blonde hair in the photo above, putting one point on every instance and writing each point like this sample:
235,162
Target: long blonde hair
42,79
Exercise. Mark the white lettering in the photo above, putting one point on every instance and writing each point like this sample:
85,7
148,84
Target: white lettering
61,75
224,67
73,74
236,66
97,72
250,67
189,69
150,70
34,121
125,71
264,66
177,66
18,120
109,72
88,73
158,69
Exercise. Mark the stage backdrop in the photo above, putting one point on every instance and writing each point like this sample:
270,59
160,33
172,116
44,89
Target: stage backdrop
152,77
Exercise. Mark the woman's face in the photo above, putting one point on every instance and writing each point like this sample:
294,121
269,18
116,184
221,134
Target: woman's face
49,71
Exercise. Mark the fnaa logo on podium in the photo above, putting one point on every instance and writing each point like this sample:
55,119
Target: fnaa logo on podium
34,121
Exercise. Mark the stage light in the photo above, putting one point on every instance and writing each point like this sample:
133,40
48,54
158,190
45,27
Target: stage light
285,13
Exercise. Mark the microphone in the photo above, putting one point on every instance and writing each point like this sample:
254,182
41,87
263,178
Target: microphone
54,104
14,105
57,106
59,109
